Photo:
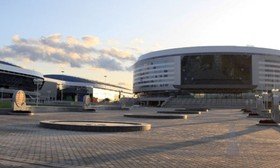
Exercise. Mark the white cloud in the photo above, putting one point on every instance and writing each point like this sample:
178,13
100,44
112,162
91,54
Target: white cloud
119,54
76,52
90,41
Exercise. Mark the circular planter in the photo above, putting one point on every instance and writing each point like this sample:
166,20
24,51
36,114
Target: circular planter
95,126
267,122
179,112
23,113
157,116
192,109
253,114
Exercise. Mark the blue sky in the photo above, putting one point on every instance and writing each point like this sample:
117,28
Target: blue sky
110,19
127,29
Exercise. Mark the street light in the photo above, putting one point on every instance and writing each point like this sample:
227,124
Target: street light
37,82
105,78
105,86
61,97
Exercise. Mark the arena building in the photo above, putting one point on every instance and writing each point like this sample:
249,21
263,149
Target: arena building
224,72
71,88
55,87
13,77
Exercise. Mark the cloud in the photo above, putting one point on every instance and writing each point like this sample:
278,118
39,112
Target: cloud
90,41
121,84
119,54
76,52
109,64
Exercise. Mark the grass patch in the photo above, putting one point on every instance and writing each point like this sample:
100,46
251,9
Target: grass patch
5,104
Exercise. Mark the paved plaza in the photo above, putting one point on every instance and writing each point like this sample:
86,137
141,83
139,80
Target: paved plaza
218,138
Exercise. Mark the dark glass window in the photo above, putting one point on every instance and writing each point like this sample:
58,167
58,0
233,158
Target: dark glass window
216,69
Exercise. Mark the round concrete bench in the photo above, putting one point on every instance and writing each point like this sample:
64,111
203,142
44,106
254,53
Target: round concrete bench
23,113
179,112
95,126
268,122
157,116
192,109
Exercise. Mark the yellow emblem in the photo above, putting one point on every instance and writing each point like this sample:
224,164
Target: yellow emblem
20,98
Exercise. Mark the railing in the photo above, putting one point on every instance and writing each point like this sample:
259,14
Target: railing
183,102
166,101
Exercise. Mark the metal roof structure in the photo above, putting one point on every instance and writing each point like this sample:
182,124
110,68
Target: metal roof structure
209,49
70,79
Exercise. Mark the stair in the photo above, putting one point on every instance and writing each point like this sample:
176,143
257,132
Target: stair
176,102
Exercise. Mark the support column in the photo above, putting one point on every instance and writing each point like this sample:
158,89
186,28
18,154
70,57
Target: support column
275,114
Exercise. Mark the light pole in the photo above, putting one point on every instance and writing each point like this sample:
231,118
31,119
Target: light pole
105,86
37,82
61,97
105,79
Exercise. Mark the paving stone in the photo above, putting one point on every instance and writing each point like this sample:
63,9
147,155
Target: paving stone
219,138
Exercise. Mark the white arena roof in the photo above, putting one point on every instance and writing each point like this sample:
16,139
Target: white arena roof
209,49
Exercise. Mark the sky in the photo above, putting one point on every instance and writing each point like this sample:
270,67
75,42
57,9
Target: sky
96,38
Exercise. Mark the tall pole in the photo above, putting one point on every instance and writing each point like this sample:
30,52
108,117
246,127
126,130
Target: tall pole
105,85
61,97
37,82
105,79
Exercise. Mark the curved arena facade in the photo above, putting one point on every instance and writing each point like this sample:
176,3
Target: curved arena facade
74,88
208,69
13,77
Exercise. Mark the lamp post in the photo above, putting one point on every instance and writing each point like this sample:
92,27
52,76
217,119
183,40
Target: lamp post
61,97
37,82
105,77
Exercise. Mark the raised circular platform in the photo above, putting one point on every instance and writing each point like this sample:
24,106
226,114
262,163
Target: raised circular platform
157,116
179,112
193,109
268,122
95,126
23,113
89,110
254,115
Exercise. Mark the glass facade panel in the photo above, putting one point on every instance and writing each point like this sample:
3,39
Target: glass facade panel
216,69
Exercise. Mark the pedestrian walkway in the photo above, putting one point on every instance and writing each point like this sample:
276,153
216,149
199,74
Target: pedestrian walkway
218,138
